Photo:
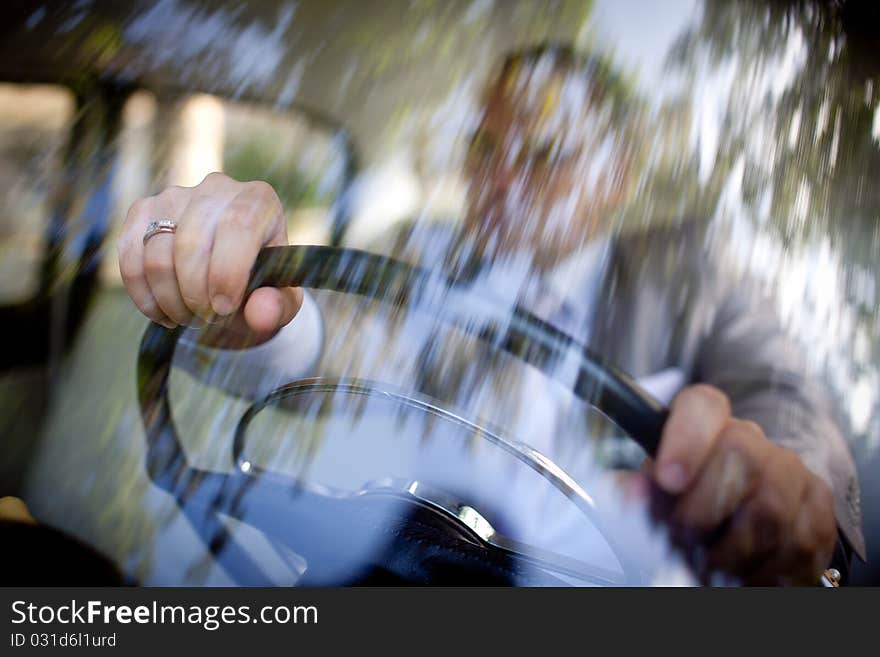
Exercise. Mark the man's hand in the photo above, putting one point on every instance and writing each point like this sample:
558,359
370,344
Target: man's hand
737,502
201,271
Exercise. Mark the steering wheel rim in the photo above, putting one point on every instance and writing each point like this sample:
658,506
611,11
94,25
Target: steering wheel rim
353,271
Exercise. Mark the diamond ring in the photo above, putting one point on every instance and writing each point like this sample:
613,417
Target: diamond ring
159,226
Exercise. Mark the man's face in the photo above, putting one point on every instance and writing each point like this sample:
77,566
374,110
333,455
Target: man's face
544,166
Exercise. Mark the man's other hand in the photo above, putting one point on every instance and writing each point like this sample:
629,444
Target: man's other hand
736,502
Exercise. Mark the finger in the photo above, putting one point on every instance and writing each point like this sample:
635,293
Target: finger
162,279
193,243
697,416
762,524
660,503
251,219
807,548
728,478
783,481
130,250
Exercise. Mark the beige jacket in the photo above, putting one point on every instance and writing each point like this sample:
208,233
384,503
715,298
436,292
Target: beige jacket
666,302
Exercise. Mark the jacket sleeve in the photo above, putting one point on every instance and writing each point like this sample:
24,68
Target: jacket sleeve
747,353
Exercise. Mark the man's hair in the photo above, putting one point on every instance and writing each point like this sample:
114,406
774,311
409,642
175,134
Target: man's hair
562,56
603,79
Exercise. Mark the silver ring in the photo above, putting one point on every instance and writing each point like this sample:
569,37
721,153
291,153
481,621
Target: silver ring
160,226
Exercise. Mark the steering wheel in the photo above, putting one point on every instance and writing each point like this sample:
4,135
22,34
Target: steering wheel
430,537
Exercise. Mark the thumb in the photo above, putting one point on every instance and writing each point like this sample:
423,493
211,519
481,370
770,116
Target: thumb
268,309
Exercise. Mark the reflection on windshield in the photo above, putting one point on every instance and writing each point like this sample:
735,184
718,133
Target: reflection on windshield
547,156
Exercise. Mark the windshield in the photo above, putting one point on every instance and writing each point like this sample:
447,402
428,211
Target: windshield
632,176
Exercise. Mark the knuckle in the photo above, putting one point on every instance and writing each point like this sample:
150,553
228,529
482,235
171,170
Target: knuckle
702,393
748,427
736,434
262,189
199,208
176,189
172,305
790,460
742,461
240,216
782,461
173,192
267,195
743,436
181,319
137,209
138,206
151,309
713,395
215,178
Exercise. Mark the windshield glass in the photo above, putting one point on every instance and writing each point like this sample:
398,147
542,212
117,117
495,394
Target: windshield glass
526,470
645,179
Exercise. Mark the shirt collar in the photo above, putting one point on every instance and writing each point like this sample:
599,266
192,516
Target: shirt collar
573,283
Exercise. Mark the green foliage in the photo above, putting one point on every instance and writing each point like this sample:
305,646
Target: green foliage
255,155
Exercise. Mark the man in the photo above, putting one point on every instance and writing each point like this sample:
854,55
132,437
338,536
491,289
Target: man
752,476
